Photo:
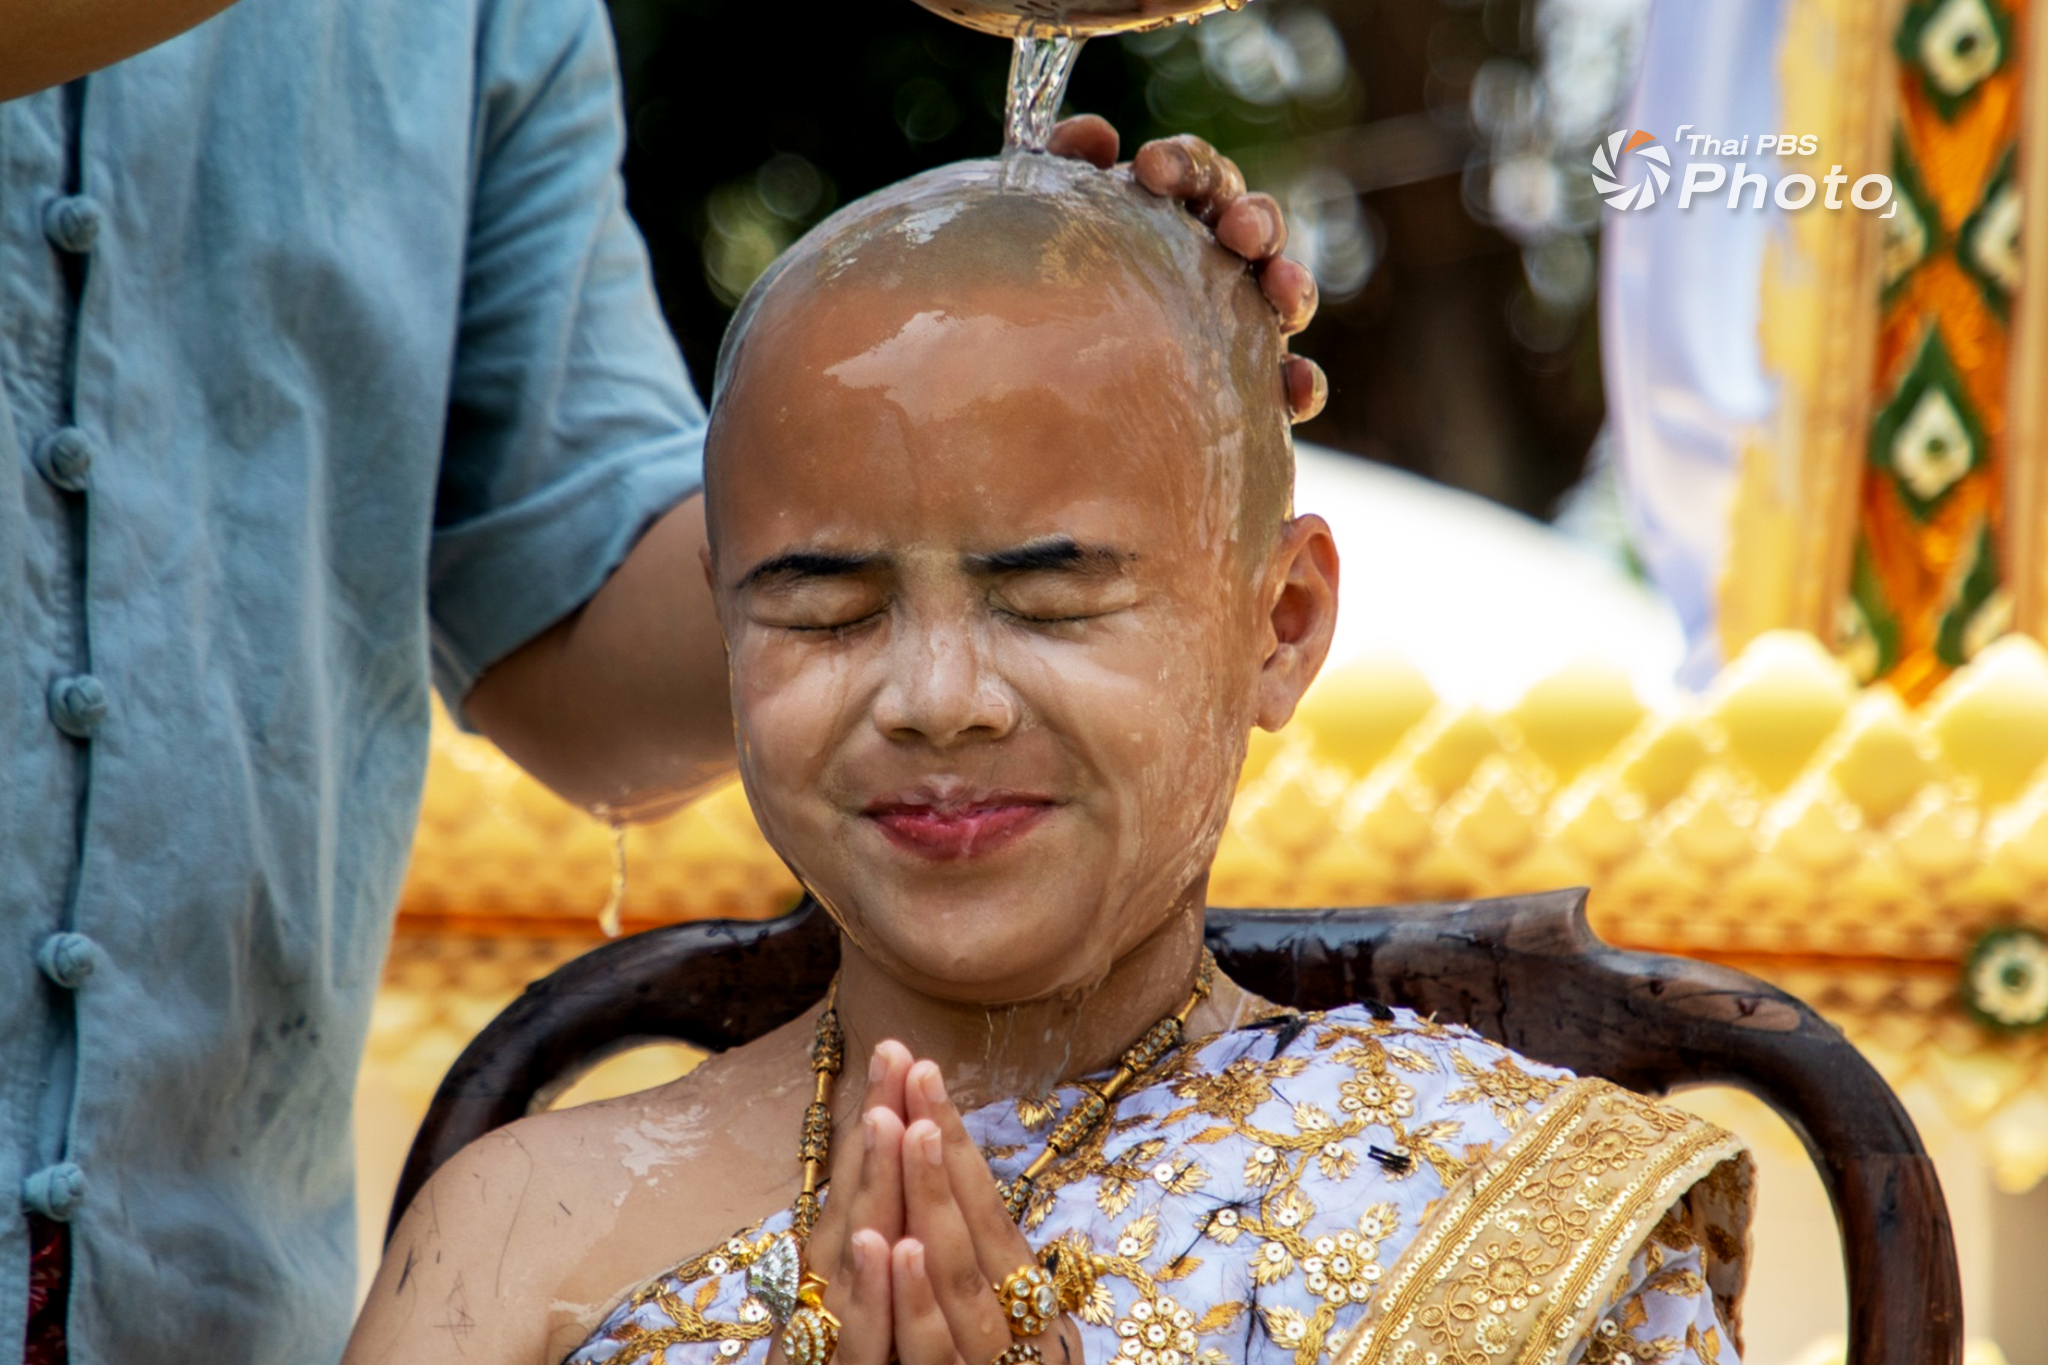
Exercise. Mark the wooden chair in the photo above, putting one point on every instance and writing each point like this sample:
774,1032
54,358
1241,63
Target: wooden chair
1525,971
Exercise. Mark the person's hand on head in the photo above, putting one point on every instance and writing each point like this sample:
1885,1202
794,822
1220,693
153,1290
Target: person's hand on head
959,1244
1251,224
863,1218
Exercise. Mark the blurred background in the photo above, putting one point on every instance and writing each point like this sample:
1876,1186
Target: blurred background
1429,153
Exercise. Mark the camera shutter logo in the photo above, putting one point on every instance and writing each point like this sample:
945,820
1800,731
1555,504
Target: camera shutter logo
1607,178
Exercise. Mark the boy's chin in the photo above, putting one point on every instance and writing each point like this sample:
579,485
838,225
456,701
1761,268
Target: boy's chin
989,956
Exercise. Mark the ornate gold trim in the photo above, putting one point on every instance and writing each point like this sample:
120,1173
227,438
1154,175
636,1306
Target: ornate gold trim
1567,1202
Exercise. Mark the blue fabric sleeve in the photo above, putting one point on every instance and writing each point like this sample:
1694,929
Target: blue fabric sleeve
572,425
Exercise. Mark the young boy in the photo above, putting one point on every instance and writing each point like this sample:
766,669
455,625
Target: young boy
1002,549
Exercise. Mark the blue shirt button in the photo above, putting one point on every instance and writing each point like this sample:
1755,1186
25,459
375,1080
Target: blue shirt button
78,705
65,458
55,1191
68,959
72,223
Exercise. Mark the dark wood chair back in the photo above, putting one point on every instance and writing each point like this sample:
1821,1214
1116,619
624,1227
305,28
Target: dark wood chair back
1525,971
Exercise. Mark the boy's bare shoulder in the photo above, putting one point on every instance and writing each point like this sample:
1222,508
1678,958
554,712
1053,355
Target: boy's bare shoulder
566,1211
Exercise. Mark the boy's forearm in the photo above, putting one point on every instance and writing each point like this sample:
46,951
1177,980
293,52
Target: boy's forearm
622,708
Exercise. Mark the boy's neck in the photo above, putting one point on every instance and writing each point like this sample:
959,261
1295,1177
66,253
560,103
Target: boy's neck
1015,1051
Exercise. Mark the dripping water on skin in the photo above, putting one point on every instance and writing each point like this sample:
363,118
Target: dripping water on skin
1001,1045
611,918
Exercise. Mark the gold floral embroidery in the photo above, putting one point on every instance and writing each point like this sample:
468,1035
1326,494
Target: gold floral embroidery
1674,1231
1610,1345
1376,1095
1685,1283
1035,1114
1524,1254
1372,1097
1503,1085
1336,1160
687,1322
1135,1242
1286,1325
1237,1090
1341,1268
1156,1330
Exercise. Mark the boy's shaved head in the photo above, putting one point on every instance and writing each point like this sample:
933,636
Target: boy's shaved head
997,485
959,240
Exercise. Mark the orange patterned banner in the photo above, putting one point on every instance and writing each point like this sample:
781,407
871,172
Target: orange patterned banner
1927,586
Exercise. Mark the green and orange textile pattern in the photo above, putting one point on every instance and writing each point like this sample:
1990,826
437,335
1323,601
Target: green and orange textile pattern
1927,586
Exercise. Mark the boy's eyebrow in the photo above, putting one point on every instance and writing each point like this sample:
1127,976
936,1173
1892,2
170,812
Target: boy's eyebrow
808,564
1051,553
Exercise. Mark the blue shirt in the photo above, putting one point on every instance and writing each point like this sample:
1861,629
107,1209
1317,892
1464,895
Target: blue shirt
330,357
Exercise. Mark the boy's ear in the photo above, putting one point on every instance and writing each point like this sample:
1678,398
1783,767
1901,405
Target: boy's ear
1301,617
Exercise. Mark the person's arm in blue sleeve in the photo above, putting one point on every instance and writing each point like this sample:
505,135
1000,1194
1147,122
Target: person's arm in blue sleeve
571,620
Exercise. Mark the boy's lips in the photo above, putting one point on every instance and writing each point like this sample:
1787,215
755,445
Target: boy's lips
955,830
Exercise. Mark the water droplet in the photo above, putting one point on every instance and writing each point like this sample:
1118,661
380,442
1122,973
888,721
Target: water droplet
611,919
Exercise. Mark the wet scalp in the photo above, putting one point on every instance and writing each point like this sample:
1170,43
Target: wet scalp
1044,222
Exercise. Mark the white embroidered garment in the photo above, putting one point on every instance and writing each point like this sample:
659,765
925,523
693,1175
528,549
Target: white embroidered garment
1258,1197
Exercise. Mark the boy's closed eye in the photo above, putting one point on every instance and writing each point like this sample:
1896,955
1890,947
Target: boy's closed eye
1055,581
1060,598
818,604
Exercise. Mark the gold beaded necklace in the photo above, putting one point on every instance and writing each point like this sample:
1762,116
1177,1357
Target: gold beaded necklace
828,1054
1097,1100
794,1296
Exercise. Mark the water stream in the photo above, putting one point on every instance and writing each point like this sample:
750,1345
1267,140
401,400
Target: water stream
1039,69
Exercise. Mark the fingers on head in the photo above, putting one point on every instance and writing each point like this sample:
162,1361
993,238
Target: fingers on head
1165,166
1085,137
1189,169
1228,188
1307,388
1253,227
1291,288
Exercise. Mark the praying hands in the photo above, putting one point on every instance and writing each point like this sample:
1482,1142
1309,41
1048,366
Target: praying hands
915,1240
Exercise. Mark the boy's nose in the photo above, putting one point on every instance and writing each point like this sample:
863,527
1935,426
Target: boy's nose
943,689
